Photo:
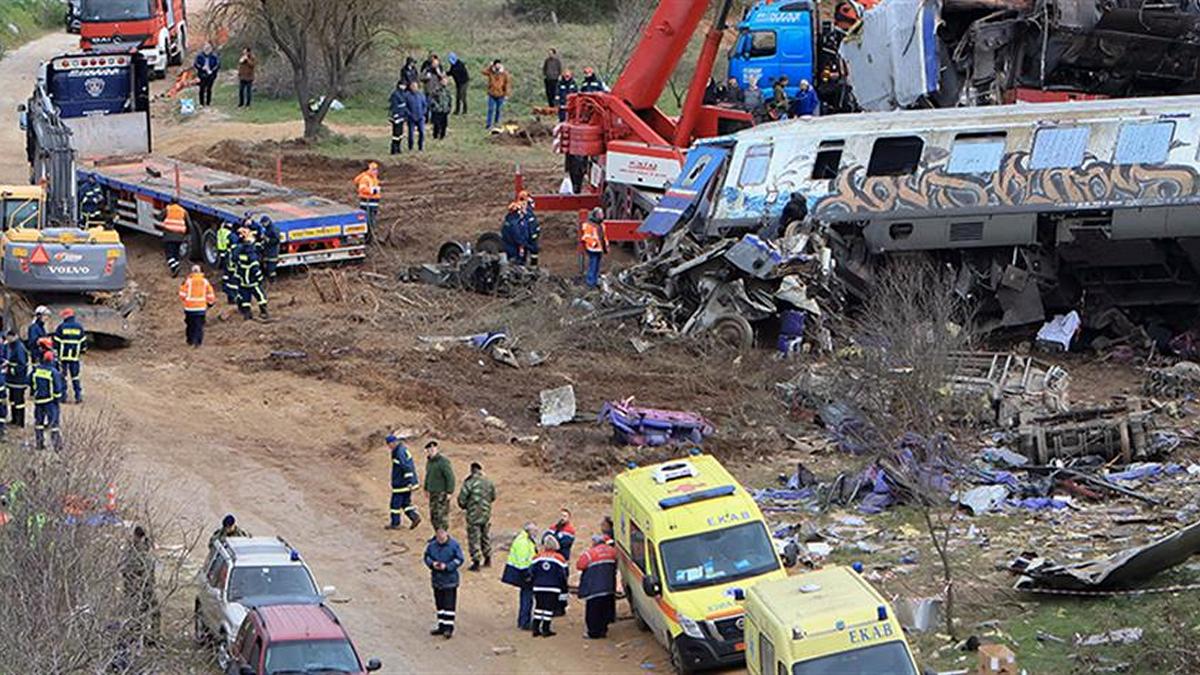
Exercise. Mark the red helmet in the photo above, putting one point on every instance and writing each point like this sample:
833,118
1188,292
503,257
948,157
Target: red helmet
48,356
67,313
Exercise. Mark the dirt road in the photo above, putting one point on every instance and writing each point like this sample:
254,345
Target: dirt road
16,82
301,457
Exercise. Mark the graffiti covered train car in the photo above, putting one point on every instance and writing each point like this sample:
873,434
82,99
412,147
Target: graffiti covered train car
1035,205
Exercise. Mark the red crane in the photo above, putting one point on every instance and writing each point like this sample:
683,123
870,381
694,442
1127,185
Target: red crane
621,148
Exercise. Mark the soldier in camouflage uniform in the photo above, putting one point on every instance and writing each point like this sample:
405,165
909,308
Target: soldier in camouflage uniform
476,499
439,485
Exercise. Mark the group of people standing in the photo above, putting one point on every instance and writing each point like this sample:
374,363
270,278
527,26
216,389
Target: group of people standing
33,364
423,95
560,83
538,560
207,66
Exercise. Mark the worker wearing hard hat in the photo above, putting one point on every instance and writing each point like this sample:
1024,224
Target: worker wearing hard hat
174,229
49,390
37,328
369,192
197,295
591,82
250,277
594,243
70,341
531,230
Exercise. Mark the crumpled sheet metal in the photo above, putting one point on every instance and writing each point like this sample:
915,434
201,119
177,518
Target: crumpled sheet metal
893,60
1116,572
635,425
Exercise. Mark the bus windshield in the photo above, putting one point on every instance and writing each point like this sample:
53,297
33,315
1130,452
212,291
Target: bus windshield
718,556
114,10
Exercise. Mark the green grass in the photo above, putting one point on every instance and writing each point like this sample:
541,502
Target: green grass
29,18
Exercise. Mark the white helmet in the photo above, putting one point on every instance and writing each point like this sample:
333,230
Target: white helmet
42,310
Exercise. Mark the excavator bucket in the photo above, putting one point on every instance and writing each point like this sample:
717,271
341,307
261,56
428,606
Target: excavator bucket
108,327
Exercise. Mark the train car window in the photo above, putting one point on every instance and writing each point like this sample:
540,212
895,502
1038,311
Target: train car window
828,160
896,156
976,154
1144,143
755,165
1059,147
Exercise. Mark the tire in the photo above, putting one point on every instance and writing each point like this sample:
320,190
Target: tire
677,660
192,248
208,249
200,634
489,242
637,618
224,658
733,331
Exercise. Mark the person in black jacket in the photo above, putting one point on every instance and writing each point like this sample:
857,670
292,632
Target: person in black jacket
458,72
409,73
443,557
398,114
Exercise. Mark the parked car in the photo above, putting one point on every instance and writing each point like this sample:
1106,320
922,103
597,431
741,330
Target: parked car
295,639
243,573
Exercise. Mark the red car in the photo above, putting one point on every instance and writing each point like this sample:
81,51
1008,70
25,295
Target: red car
295,639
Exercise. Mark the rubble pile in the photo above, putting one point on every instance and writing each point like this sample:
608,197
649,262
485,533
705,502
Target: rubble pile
735,288
478,272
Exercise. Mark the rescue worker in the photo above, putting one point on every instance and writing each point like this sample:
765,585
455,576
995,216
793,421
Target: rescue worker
271,242
37,328
595,244
517,572
48,393
443,557
510,233
439,484
174,227
138,576
92,204
591,82
531,230
397,114
476,497
197,295
598,586
404,481
566,86
227,240
3,389
16,378
367,184
70,342
229,528
250,278
564,533
549,579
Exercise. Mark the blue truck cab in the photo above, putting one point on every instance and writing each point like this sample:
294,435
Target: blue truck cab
775,38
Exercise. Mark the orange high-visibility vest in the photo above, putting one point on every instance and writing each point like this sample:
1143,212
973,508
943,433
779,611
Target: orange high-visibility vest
368,186
196,293
175,219
592,237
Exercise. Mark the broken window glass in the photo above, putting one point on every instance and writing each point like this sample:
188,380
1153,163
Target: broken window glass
1058,147
897,156
755,165
828,160
1144,143
976,154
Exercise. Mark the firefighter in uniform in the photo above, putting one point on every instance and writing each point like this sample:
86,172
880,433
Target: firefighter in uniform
531,230
227,240
37,328
48,392
271,242
70,341
91,205
549,581
250,278
174,227
598,586
404,481
367,185
476,497
16,378
3,390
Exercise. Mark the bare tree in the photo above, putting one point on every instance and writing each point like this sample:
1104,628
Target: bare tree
629,21
894,381
79,595
326,36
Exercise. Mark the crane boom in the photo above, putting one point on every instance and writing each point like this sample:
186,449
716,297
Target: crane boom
662,45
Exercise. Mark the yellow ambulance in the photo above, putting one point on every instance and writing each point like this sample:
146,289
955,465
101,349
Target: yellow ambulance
691,542
827,622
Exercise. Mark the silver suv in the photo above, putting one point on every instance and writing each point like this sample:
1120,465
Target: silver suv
241,573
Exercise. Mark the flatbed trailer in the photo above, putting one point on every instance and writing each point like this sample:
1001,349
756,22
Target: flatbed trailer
313,229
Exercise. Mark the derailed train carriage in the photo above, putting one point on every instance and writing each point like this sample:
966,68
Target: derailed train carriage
1036,206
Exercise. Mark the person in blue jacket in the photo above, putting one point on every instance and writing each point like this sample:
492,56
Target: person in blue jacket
70,342
37,328
531,230
443,557
510,234
398,114
404,479
16,378
806,103
48,394
418,109
207,64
